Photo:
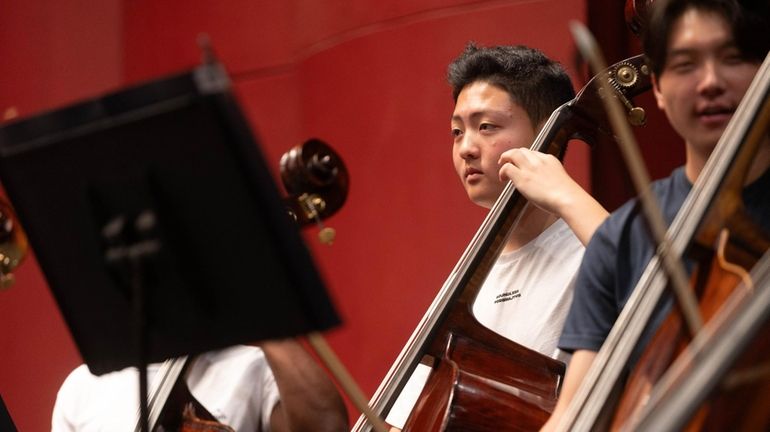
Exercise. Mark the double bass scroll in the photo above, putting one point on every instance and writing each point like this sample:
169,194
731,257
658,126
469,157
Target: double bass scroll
316,179
13,244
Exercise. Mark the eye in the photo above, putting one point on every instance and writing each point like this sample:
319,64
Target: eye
733,57
681,66
456,132
487,127
680,63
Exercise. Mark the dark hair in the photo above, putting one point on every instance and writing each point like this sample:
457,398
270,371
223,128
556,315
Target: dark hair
748,21
536,83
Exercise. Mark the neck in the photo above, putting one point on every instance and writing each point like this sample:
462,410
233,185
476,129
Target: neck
532,224
694,163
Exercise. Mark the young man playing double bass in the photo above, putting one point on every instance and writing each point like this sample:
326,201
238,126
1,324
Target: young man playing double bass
503,96
704,54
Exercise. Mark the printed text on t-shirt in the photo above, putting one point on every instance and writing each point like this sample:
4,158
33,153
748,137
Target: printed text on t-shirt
506,296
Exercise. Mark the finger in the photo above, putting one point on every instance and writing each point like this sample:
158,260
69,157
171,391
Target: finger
513,156
509,171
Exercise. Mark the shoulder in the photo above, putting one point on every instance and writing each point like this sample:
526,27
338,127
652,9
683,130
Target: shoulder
80,374
670,192
83,398
607,236
621,246
236,353
232,367
238,357
559,239
559,231
81,379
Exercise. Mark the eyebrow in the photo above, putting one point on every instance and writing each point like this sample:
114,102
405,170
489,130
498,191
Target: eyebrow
729,44
479,113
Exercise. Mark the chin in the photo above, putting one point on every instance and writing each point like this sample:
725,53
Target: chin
483,202
483,196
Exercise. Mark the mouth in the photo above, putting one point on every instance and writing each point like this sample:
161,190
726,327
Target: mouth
471,174
715,115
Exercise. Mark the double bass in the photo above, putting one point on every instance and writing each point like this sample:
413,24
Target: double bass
481,380
725,275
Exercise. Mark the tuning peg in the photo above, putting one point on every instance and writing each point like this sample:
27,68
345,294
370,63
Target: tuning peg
327,235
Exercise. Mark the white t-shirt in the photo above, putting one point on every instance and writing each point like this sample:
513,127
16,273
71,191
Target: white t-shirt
525,298
235,385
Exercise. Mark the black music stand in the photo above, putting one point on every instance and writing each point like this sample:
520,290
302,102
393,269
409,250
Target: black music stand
155,219
6,423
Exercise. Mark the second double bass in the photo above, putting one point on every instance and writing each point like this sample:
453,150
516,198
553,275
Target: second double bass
715,219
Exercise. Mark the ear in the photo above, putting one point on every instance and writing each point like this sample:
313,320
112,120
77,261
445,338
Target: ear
657,93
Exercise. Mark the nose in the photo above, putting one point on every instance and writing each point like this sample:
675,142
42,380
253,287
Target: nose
468,149
711,81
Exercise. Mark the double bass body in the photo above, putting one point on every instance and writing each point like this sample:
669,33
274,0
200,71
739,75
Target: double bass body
482,380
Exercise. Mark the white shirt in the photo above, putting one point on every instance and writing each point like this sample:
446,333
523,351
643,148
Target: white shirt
525,298
235,385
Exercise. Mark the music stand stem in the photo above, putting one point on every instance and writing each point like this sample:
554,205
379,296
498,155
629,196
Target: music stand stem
136,254
138,290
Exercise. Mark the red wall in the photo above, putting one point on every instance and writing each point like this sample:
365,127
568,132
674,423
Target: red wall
367,77
370,81
52,52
